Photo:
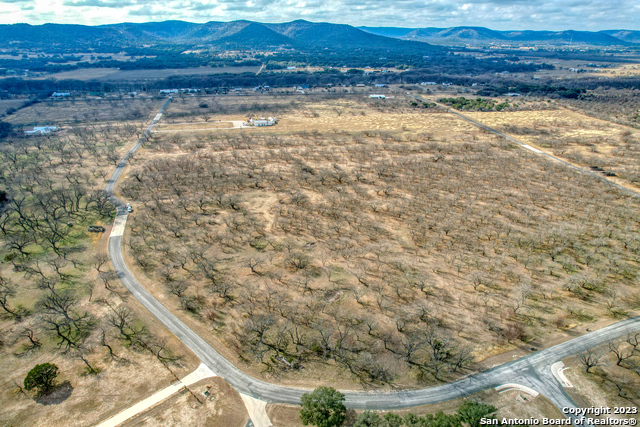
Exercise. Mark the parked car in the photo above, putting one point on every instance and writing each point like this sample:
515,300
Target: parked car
129,208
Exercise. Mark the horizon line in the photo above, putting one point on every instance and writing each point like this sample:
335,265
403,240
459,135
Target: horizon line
311,22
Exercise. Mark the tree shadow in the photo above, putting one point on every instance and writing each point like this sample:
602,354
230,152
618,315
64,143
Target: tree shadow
350,418
57,396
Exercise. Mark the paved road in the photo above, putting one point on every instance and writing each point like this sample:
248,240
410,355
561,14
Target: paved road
533,371
202,372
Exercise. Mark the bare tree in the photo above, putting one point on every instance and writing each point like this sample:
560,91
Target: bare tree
590,360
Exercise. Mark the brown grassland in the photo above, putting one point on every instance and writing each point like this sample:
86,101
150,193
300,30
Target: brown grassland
121,110
8,104
113,74
583,140
192,408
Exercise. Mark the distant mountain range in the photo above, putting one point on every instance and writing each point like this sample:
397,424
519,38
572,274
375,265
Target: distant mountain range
300,35
237,34
483,36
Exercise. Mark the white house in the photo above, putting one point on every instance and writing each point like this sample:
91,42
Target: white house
377,96
428,83
60,94
381,85
168,90
262,121
41,130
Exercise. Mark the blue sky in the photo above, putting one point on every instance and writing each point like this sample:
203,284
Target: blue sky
590,15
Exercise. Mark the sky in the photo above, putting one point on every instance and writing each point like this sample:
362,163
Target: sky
589,15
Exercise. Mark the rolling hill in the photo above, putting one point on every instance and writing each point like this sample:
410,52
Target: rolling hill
236,34
482,35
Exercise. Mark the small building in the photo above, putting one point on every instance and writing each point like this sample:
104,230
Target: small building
360,85
168,90
60,94
381,85
41,130
377,96
291,68
263,121
428,83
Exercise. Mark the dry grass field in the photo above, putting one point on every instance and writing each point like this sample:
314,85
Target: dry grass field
114,74
579,138
96,111
75,111
616,105
223,407
8,104
363,243
622,70
189,127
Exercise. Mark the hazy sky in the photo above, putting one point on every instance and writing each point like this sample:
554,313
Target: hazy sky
497,14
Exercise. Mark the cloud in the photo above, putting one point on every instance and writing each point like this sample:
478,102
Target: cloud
201,6
495,14
144,11
101,3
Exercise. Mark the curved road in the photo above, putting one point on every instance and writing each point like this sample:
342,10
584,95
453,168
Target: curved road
533,371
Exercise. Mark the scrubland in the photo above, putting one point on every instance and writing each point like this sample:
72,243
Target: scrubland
61,302
371,243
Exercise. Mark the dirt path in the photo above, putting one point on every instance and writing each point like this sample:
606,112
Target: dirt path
624,188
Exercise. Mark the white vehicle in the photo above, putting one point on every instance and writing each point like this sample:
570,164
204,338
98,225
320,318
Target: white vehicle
129,208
